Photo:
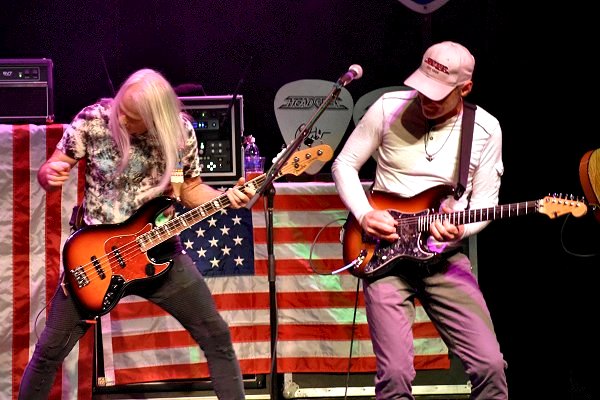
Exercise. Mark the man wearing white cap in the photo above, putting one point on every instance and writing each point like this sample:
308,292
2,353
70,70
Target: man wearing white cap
415,136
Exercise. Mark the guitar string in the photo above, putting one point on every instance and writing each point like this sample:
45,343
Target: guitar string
257,181
423,220
131,249
126,253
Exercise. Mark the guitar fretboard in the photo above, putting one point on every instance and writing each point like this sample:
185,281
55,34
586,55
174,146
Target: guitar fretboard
186,220
480,215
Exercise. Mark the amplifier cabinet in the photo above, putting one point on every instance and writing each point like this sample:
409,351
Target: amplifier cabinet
26,90
219,125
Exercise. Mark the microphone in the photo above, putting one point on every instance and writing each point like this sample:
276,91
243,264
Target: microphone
354,72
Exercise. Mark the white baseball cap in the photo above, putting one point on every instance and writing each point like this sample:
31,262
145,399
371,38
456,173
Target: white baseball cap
445,66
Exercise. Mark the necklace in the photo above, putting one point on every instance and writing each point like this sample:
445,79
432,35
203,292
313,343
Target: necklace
429,156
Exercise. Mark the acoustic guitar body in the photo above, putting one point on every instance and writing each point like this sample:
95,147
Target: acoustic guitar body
589,174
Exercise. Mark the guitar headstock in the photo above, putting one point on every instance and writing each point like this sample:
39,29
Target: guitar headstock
309,160
556,206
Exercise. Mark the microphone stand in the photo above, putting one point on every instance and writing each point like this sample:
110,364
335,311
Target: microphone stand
268,189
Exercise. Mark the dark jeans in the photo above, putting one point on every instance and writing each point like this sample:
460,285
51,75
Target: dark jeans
182,292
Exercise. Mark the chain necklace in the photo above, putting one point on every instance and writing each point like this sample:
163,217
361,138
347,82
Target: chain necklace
428,137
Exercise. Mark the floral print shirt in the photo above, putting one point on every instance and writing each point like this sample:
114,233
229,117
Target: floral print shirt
111,197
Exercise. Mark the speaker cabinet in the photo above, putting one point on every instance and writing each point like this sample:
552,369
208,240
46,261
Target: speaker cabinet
26,91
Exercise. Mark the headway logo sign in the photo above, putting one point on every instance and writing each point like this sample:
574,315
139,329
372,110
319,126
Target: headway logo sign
423,6
296,103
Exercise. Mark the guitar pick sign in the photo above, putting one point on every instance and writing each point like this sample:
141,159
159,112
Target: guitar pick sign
423,6
296,103
365,101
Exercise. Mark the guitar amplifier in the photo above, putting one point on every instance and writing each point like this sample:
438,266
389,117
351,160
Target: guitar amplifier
26,91
219,125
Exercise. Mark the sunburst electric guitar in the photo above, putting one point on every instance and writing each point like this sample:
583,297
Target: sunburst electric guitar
368,257
102,261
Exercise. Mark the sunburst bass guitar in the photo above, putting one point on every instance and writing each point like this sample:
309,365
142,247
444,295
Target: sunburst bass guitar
369,257
102,261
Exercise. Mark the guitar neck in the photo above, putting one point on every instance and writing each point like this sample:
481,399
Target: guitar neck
186,220
299,162
480,215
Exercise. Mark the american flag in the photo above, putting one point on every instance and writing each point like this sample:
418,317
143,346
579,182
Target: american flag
140,342
221,245
315,311
33,227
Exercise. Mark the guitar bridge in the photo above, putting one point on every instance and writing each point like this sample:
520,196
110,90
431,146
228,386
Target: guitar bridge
80,277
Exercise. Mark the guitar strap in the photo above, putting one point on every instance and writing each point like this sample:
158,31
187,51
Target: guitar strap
468,123
76,220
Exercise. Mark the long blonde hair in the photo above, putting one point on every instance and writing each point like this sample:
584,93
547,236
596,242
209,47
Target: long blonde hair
160,110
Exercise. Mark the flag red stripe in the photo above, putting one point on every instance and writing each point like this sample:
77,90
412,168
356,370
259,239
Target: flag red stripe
182,371
317,202
298,266
305,234
124,344
421,330
318,332
160,373
53,220
436,361
321,299
87,342
242,301
52,231
358,364
254,300
20,252
314,364
257,333
311,299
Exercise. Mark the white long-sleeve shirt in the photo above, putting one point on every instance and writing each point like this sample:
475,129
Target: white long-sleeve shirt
393,131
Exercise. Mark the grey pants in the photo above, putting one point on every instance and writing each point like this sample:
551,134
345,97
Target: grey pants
182,292
454,303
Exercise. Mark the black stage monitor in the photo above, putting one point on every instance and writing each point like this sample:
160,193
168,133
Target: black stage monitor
219,125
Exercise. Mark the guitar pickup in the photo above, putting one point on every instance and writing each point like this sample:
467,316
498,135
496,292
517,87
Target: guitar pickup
98,267
119,258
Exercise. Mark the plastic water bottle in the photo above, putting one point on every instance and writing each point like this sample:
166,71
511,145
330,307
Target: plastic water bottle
252,160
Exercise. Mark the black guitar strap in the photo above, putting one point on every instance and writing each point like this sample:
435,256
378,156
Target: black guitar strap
468,123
